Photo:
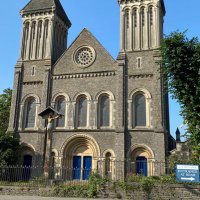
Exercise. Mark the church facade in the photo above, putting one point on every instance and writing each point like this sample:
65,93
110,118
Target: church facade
113,110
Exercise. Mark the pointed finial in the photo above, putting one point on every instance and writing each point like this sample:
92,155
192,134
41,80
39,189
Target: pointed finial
178,135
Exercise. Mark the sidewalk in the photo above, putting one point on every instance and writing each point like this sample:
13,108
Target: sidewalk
2,197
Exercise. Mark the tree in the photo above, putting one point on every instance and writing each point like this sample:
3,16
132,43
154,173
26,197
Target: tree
181,66
5,103
8,143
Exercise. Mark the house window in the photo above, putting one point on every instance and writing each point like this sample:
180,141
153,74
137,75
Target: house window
139,110
61,106
30,114
82,112
104,111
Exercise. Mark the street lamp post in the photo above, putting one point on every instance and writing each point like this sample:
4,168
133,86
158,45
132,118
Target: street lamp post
49,114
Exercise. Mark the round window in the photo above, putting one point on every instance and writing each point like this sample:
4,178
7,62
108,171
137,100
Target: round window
84,56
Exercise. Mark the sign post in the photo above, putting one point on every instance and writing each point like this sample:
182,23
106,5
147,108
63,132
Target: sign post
187,173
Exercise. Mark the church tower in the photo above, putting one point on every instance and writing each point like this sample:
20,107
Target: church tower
146,103
44,32
44,38
141,24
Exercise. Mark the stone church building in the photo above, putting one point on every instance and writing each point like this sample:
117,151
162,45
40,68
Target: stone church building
113,109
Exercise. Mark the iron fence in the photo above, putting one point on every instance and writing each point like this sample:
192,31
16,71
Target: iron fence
114,170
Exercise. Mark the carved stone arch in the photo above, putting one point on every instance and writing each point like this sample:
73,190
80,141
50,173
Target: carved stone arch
109,93
134,8
27,21
150,5
108,151
27,150
125,9
88,96
55,151
61,94
142,7
28,96
80,146
27,145
80,139
141,160
146,93
144,147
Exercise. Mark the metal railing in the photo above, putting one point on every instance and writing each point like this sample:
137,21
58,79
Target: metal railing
112,169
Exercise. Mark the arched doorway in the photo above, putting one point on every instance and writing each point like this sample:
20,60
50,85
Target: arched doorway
80,153
27,162
141,160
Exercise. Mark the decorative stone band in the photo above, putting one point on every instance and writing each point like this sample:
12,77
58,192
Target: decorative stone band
84,75
137,76
33,83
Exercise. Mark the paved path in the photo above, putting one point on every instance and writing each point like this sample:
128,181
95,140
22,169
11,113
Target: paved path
40,198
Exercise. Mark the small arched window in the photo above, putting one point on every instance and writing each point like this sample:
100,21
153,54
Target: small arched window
139,110
104,111
135,17
27,30
142,17
61,107
151,15
81,107
108,164
39,29
30,113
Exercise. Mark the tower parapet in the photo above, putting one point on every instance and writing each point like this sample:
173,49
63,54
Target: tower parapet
141,24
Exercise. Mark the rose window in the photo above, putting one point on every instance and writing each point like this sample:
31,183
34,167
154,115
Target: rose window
84,56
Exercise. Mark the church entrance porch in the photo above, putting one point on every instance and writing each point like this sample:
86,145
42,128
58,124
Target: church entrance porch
80,155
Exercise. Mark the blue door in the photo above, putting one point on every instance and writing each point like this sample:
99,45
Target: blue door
77,167
87,167
26,173
141,165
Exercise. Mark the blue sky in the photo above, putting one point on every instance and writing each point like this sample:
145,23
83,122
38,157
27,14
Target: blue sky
102,19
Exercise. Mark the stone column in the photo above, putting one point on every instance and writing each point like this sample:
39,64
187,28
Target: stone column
28,43
41,40
34,50
21,55
130,114
122,30
49,41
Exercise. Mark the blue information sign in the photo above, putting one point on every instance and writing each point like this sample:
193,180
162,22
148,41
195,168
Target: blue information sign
187,173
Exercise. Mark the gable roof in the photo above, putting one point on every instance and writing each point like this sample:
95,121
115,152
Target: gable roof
103,60
43,5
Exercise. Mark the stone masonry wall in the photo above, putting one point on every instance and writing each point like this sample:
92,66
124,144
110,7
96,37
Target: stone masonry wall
159,192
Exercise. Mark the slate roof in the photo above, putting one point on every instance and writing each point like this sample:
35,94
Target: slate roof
40,5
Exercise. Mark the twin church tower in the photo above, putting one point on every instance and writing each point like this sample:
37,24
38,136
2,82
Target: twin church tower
113,110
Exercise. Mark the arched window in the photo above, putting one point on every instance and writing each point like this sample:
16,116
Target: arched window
30,113
61,106
139,110
142,17
104,111
39,35
135,17
108,164
81,107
